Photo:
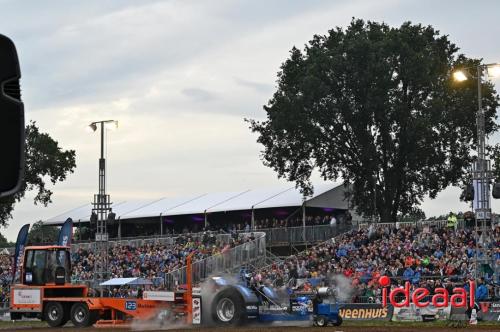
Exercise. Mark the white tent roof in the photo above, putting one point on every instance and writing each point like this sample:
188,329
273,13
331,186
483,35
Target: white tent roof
216,202
159,207
126,281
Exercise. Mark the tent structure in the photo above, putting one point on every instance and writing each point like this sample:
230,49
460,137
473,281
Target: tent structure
126,281
326,195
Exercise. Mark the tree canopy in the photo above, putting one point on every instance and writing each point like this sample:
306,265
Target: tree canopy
45,161
376,106
39,234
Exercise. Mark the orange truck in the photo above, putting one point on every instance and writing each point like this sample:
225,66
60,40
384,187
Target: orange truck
45,292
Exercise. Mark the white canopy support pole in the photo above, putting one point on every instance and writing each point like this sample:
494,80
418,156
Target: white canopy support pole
304,214
206,219
161,225
304,221
253,218
119,228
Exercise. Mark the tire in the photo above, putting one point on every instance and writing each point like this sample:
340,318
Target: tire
81,316
321,321
228,307
339,321
16,316
54,314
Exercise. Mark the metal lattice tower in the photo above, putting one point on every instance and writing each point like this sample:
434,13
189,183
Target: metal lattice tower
101,208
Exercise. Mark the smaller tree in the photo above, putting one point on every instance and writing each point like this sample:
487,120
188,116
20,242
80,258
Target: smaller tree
45,161
42,234
4,243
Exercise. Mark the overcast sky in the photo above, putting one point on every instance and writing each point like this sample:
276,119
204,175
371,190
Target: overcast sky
180,76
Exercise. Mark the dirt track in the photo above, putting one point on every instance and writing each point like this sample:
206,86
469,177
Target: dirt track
495,328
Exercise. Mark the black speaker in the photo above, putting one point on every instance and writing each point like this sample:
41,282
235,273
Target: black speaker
11,120
496,190
468,193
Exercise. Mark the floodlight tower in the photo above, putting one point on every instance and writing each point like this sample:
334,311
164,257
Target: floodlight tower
101,206
481,168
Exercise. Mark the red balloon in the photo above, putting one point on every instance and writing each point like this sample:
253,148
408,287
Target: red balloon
384,281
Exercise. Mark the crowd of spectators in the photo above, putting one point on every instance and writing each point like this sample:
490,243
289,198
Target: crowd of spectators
429,257
266,223
5,276
151,261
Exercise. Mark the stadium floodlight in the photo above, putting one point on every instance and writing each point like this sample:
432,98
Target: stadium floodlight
493,70
460,76
112,125
91,127
481,169
102,204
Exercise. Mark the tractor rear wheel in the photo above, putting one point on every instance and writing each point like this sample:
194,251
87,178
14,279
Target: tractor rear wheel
54,314
81,316
321,321
228,307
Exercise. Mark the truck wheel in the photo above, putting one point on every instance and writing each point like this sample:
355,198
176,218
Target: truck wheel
339,321
321,321
16,316
228,307
81,316
54,314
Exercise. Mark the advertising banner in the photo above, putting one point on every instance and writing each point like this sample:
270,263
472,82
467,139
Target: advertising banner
159,296
489,311
413,313
66,233
27,296
22,237
365,311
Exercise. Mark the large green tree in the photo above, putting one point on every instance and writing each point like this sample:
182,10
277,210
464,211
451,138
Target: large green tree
45,161
376,106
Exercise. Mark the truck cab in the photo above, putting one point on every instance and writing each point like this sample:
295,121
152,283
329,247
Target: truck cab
46,265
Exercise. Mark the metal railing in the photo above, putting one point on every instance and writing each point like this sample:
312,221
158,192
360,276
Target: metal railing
162,240
302,235
420,224
247,253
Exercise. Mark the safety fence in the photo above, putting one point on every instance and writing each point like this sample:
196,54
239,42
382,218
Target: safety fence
419,224
250,252
160,240
302,235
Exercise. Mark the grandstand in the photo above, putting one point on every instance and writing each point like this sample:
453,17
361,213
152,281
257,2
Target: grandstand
229,211
427,254
246,229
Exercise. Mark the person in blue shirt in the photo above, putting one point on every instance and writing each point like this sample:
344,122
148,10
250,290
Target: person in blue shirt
408,274
481,290
416,277
438,253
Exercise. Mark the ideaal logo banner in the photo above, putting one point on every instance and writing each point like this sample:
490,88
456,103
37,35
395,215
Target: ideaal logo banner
421,297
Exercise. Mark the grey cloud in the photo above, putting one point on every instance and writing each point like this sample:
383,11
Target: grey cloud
198,95
257,86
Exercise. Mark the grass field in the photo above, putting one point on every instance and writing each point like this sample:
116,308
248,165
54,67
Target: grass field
375,326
